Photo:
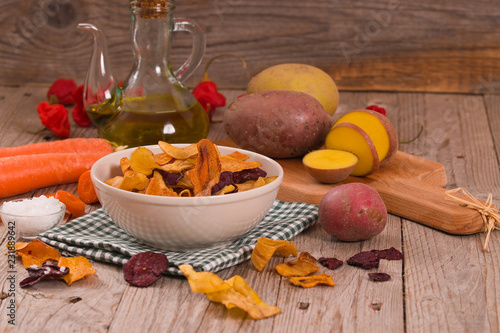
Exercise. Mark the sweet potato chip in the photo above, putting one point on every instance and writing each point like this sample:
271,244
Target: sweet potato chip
234,165
154,188
239,156
163,158
207,170
115,181
234,292
37,252
177,166
265,248
312,281
79,267
177,152
19,245
304,265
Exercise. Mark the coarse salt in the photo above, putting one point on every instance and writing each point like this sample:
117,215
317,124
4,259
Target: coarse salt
33,216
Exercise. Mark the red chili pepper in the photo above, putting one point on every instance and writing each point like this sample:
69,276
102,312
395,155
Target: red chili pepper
78,113
61,92
376,109
206,93
55,118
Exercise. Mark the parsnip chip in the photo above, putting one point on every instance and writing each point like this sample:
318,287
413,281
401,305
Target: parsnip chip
125,164
251,184
177,152
268,180
79,267
265,248
142,160
37,252
177,166
312,281
134,181
207,170
226,189
234,292
304,265
235,165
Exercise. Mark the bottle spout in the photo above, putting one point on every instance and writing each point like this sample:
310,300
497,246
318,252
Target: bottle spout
100,83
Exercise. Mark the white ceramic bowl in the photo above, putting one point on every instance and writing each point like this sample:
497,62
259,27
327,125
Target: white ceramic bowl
184,223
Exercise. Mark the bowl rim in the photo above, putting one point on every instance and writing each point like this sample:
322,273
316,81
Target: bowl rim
187,201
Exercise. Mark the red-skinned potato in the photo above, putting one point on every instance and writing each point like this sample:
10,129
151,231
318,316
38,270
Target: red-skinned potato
352,212
277,123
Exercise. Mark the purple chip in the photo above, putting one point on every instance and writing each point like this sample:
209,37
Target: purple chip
46,271
389,254
330,263
379,277
145,268
365,260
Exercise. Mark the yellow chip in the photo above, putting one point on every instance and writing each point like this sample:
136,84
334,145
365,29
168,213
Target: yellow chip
265,248
177,152
125,164
142,160
177,166
163,158
115,181
134,181
251,184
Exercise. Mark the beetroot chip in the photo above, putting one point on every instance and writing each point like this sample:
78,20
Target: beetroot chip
145,268
389,254
330,263
379,277
365,260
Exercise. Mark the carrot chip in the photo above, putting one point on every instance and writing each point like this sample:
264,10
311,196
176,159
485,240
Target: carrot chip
312,281
304,265
37,252
79,267
265,248
234,292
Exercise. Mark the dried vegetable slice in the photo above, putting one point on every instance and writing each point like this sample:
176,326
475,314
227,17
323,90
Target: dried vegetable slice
365,260
79,267
46,271
37,252
379,277
330,263
177,152
389,254
304,265
265,248
142,160
145,268
234,292
312,281
232,164
206,173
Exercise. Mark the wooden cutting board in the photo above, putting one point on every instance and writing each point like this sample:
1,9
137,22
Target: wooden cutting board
412,187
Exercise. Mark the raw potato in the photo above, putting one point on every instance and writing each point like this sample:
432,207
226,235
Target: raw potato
378,127
298,77
330,166
352,138
352,212
277,123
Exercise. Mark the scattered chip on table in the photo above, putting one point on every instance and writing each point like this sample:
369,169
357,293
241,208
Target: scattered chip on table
312,280
265,248
330,263
304,265
145,268
365,260
379,277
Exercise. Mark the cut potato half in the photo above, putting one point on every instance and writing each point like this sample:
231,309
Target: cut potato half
378,127
330,166
352,138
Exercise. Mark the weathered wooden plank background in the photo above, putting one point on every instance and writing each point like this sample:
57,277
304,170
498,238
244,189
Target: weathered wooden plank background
390,45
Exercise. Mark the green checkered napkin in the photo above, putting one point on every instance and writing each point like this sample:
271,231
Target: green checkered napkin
95,236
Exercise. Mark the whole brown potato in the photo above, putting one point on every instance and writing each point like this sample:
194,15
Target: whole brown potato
277,123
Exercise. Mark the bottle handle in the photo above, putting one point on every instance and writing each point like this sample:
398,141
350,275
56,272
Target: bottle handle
199,43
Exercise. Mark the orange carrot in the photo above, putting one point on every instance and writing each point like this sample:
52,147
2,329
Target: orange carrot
86,189
74,145
73,205
24,173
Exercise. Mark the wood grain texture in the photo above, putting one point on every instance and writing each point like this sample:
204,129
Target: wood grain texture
446,283
393,45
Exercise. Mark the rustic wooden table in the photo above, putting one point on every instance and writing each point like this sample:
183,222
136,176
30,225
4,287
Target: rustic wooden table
445,283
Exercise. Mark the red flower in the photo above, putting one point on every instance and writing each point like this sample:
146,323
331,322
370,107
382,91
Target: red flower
376,109
206,93
55,118
78,113
61,92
